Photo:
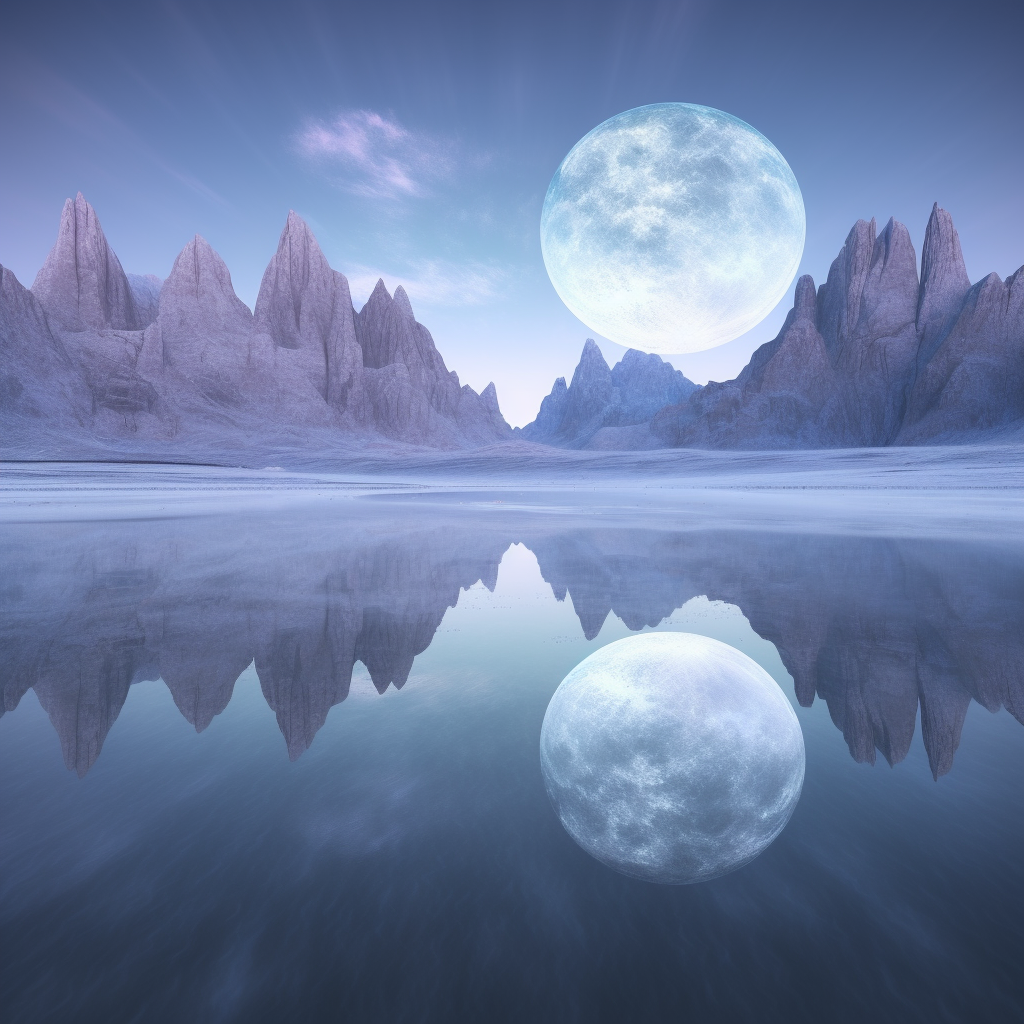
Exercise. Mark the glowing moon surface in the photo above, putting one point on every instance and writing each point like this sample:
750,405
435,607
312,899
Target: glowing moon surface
672,228
672,757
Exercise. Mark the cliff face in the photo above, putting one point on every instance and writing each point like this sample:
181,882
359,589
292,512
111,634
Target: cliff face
410,393
305,308
39,382
974,380
873,357
81,284
866,314
944,282
903,361
93,355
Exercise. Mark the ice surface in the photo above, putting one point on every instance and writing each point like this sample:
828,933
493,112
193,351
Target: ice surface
950,491
877,602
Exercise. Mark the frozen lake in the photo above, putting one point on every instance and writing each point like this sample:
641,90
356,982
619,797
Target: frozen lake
270,741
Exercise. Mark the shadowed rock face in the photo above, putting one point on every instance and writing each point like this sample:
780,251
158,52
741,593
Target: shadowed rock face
944,282
146,293
600,401
866,315
39,382
410,393
552,411
975,378
183,368
784,398
204,326
915,626
589,394
873,357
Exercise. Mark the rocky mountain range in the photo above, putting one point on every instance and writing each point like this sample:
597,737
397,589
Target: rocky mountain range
97,363
608,408
182,367
918,628
876,356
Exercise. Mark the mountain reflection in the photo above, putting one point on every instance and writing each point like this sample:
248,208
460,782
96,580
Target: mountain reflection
876,628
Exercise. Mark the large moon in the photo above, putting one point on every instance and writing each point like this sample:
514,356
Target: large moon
672,228
672,757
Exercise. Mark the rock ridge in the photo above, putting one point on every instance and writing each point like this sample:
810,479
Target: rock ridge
875,356
95,356
602,406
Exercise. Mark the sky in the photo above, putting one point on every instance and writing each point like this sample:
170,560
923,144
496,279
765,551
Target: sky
418,139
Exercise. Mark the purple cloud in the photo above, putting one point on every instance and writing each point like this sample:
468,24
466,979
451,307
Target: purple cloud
380,158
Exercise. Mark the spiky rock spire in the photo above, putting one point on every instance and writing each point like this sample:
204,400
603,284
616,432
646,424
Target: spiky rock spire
82,285
944,281
305,305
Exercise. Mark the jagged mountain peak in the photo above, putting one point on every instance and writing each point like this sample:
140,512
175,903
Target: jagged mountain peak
858,249
862,232
805,299
893,242
600,403
293,222
590,391
202,321
489,396
380,297
634,355
298,258
870,290
634,359
944,281
82,284
402,303
592,364
941,255
199,271
306,307
382,333
296,297
297,239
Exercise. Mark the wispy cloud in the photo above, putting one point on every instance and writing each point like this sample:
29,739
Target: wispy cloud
435,283
379,157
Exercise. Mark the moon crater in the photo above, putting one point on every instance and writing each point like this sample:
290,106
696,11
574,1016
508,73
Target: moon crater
672,757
